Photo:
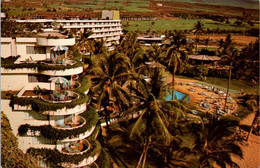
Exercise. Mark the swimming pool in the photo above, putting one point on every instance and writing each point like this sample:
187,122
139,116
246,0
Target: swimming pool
178,95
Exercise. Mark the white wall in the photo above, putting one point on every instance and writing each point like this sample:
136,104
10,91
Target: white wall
5,50
13,82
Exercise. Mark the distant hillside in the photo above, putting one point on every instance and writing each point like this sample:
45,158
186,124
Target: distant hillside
11,156
230,7
249,4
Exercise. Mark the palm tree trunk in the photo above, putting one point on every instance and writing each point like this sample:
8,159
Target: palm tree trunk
173,76
229,79
140,159
145,153
143,156
106,118
255,120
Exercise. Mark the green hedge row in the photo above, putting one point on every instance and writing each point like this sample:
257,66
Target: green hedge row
52,133
39,105
58,158
40,66
85,84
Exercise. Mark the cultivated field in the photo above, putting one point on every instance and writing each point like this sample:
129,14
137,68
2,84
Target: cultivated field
162,7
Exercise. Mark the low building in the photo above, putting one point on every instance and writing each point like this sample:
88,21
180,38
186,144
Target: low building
149,40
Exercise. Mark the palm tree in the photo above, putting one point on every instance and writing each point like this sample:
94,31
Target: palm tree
214,141
232,57
251,101
110,74
172,61
199,29
207,42
226,45
152,120
83,43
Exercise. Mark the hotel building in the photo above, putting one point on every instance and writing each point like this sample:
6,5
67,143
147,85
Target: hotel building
45,98
108,28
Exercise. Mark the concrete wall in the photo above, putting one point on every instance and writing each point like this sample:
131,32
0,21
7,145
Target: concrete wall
13,82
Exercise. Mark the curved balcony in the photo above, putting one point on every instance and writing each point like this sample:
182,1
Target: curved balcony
80,136
75,122
55,42
63,72
66,97
63,62
87,161
78,148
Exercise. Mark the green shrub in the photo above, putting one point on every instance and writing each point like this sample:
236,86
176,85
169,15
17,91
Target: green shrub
52,133
58,158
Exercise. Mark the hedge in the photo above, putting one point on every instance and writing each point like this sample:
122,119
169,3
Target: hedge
52,133
54,156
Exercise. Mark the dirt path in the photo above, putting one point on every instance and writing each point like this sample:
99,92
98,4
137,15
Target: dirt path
251,149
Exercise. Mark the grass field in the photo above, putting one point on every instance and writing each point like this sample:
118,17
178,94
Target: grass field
190,6
178,24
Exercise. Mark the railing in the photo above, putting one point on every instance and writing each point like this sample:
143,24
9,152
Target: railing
69,125
76,149
68,97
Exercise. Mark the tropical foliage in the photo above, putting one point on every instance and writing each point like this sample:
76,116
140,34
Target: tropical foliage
11,155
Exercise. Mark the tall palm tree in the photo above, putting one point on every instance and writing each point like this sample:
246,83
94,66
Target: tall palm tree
232,57
110,74
172,61
226,45
214,141
152,120
198,30
83,43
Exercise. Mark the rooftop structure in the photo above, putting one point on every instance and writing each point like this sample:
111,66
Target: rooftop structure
48,109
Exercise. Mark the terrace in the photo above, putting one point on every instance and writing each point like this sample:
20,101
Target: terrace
70,123
73,148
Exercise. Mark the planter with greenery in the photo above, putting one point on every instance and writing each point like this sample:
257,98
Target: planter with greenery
52,133
41,106
59,158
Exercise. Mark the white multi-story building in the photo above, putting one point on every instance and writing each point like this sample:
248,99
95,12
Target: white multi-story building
108,28
45,98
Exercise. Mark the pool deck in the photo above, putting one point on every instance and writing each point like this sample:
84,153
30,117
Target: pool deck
211,98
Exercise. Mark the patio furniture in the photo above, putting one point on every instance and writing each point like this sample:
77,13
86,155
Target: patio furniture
61,97
61,124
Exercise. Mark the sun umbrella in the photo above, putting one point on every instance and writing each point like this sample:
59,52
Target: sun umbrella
59,48
204,57
59,80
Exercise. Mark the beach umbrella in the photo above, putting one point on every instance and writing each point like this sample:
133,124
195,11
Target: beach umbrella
59,80
204,57
59,48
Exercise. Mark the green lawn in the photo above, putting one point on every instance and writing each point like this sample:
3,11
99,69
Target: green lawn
179,24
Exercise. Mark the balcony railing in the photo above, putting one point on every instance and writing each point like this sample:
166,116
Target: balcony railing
66,97
75,122
76,148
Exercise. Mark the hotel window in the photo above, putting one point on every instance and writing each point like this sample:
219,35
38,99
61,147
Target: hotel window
35,50
30,50
37,78
40,50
